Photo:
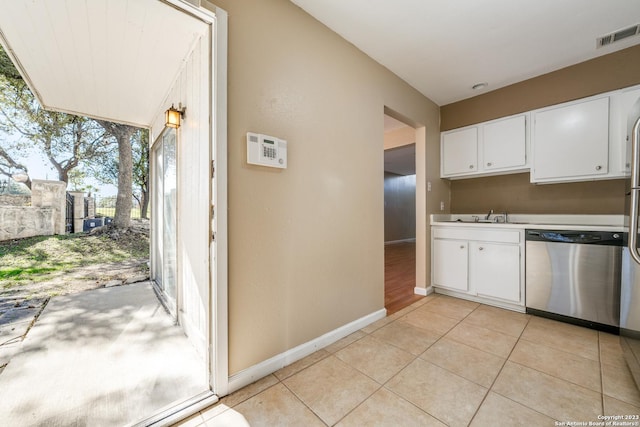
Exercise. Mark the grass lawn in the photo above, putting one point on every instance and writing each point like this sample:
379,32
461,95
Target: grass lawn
35,258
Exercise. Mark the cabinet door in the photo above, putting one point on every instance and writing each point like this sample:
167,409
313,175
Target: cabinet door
450,264
621,104
460,151
495,270
504,143
571,141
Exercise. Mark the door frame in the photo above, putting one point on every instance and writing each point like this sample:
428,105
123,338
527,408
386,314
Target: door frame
218,337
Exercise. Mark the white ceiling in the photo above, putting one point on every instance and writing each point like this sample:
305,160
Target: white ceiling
443,47
102,58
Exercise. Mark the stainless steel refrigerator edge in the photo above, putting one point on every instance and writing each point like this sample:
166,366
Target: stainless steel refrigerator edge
630,287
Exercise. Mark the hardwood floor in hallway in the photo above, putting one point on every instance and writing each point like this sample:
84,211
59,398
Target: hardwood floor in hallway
399,276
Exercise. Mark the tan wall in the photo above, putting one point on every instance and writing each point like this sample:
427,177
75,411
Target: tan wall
610,72
306,243
514,194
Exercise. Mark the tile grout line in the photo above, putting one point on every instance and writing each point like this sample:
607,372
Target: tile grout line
459,321
415,357
490,388
302,402
601,374
382,386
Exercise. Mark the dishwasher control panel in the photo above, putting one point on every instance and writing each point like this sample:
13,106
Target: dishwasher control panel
576,237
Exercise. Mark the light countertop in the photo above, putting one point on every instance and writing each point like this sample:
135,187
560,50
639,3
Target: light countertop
534,221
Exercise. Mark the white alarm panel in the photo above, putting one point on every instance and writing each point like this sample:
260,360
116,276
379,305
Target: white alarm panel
265,150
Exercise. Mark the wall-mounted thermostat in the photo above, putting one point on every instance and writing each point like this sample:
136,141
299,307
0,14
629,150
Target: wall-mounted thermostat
266,150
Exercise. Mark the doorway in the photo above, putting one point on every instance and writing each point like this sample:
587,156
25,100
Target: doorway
188,68
399,214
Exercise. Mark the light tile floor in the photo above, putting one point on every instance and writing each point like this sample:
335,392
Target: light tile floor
443,361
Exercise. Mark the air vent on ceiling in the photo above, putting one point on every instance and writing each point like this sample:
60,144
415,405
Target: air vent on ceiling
618,35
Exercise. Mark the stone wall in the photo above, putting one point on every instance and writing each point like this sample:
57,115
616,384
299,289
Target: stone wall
15,200
51,194
17,222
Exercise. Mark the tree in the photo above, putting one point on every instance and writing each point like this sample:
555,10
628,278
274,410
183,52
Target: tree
141,170
6,66
65,139
68,141
122,134
9,166
8,163
106,169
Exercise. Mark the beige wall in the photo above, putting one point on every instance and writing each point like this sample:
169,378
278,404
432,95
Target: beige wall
514,192
306,243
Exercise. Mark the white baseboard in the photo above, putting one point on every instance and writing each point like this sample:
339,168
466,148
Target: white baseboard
269,366
393,242
423,291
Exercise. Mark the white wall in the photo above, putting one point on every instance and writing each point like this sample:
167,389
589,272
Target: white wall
192,88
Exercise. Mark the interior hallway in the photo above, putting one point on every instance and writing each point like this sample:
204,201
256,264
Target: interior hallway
399,276
443,361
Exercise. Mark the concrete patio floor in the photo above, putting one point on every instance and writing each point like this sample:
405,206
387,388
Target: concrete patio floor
106,357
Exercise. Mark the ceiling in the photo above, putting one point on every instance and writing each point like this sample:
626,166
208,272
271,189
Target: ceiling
443,47
108,59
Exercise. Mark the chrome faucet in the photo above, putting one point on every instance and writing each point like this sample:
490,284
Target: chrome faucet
489,215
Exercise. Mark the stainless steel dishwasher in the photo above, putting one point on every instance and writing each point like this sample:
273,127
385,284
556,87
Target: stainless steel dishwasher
574,276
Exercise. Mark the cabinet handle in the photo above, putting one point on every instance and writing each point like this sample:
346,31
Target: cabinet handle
461,246
481,248
598,167
470,166
489,164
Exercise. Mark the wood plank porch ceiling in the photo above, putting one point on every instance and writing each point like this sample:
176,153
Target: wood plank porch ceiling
111,59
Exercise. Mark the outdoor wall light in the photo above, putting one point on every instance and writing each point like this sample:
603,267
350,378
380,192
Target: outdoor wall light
173,116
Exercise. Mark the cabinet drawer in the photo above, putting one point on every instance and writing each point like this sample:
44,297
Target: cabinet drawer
485,235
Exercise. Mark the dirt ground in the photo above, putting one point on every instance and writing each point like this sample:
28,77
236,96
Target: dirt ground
21,305
92,276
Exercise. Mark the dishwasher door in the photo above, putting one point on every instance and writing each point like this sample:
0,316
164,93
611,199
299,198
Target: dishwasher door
581,281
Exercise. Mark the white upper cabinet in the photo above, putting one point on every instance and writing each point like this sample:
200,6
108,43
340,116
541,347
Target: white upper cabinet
571,141
490,148
582,140
505,143
460,151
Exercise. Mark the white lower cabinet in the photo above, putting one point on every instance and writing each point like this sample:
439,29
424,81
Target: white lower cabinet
452,258
496,270
482,264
